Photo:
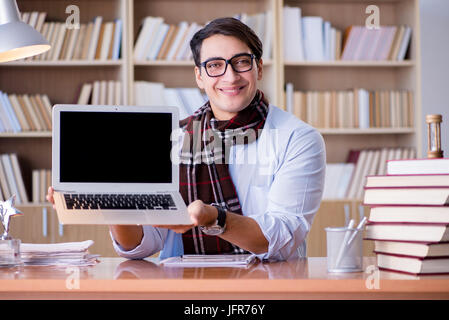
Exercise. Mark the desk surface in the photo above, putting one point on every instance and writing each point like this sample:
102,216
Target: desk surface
118,278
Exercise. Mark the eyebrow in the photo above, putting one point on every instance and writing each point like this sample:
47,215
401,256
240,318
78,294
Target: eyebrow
213,58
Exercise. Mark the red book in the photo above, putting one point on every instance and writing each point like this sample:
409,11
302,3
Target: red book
407,195
407,231
409,180
413,265
412,248
407,213
418,166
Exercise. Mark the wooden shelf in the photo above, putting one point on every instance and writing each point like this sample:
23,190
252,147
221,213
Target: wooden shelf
350,64
354,131
64,63
174,63
28,134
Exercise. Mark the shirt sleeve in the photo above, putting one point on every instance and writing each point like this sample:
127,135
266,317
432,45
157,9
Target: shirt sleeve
152,242
294,196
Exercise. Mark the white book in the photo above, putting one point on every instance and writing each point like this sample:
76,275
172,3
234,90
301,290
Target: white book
11,112
19,112
36,183
155,25
85,93
156,46
40,21
111,93
4,116
182,28
72,41
59,42
332,44
13,188
149,93
404,44
18,177
107,40
117,39
268,35
33,19
345,179
96,93
363,103
326,40
93,44
219,260
118,93
103,92
4,186
52,30
172,99
143,38
293,34
185,45
313,38
356,177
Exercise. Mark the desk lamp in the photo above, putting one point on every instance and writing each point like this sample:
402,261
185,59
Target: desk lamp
18,40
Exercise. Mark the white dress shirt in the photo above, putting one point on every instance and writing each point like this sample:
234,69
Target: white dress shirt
279,182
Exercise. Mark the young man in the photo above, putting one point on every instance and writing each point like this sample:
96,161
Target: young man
257,184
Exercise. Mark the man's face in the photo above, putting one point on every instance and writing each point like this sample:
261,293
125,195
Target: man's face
232,92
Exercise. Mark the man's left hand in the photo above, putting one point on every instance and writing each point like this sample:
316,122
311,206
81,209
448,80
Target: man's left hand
200,214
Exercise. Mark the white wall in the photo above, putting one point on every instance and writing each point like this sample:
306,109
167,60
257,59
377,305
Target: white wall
435,66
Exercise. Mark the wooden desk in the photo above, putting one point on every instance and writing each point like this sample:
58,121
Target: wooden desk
118,278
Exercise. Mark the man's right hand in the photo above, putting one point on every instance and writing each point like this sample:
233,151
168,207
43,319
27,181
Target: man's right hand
128,236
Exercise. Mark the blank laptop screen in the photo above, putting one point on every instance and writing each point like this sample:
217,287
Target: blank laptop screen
115,147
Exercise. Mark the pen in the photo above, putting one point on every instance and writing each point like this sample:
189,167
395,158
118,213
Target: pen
359,228
343,244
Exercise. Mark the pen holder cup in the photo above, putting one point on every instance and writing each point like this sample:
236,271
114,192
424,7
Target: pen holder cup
341,256
10,253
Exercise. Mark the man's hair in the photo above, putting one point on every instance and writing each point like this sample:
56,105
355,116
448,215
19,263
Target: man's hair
228,27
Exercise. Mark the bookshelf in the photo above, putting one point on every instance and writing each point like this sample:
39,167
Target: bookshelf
62,80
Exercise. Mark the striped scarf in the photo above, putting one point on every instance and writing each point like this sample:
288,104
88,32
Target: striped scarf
204,172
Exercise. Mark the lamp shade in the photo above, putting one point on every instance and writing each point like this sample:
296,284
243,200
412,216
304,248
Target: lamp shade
18,40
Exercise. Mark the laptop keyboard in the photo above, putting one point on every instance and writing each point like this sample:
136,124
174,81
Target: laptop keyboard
120,201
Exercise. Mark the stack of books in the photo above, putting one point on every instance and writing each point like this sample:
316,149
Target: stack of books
24,112
385,43
158,40
309,38
355,108
58,254
96,40
409,217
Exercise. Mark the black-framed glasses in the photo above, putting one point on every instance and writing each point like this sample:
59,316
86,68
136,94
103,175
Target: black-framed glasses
216,67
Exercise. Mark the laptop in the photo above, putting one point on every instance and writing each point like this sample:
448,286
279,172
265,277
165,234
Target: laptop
112,165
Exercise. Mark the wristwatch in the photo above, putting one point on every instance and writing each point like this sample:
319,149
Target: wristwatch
220,224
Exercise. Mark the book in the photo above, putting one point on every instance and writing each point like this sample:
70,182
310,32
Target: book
93,44
210,260
313,38
18,177
293,36
418,166
415,180
406,195
411,248
401,231
413,265
409,213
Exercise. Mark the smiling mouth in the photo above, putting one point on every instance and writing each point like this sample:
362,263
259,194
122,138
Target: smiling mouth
232,91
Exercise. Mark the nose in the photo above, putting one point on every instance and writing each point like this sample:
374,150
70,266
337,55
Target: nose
230,75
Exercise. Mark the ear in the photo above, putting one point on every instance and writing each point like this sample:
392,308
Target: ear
199,78
259,69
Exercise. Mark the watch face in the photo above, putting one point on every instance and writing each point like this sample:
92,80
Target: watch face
212,231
